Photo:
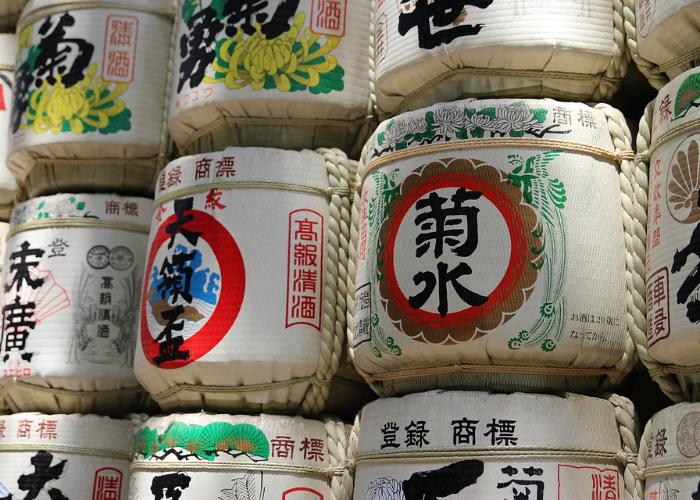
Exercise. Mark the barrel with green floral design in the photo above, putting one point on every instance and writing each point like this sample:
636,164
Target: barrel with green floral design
291,74
91,87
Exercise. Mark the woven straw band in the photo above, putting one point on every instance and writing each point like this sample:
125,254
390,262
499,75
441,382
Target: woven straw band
662,370
411,373
76,450
506,73
68,392
612,156
213,389
329,472
7,67
234,121
671,134
43,12
281,186
670,470
689,58
85,223
600,457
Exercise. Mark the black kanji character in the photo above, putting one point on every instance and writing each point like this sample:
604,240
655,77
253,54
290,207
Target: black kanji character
464,431
54,55
389,432
18,321
198,47
44,472
169,486
173,229
177,277
169,346
425,15
20,270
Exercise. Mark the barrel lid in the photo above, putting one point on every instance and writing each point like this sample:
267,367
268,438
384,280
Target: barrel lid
87,434
466,123
674,436
8,49
85,207
436,420
250,167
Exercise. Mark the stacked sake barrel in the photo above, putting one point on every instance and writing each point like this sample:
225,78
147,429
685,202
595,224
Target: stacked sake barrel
668,453
480,445
64,456
9,12
283,74
663,37
668,148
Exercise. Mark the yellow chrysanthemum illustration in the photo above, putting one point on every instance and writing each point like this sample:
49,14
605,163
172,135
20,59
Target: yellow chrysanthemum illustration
87,106
292,61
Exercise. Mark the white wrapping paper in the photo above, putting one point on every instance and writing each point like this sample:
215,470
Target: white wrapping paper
236,457
72,277
508,46
64,456
281,74
494,255
485,447
246,233
106,98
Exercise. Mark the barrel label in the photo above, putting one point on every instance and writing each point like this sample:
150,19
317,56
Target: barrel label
305,269
120,46
286,46
58,88
195,283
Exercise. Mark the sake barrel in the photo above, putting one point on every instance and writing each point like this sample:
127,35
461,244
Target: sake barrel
663,37
196,456
276,74
668,454
485,446
8,185
73,271
64,456
241,307
90,95
668,146
427,52
494,241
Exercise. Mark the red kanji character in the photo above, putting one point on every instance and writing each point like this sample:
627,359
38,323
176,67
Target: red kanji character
305,230
24,429
305,281
202,168
329,14
313,449
47,429
304,307
119,64
121,32
665,108
130,208
283,447
225,167
175,176
212,202
305,254
159,215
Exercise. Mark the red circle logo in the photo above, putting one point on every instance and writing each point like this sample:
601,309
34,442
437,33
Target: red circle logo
188,307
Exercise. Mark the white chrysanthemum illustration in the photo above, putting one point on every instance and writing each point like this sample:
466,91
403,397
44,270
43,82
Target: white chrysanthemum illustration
448,120
385,488
478,120
396,132
417,125
515,118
